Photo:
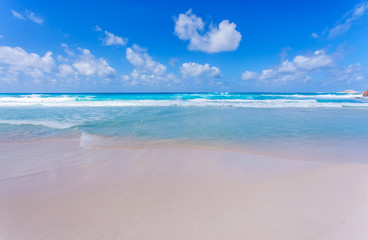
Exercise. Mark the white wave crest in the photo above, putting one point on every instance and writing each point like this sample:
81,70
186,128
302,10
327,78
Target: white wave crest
34,100
290,101
318,96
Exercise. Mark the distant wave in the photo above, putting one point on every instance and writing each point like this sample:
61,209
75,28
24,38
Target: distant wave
320,96
49,124
191,100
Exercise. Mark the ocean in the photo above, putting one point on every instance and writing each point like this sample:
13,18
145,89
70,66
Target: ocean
241,120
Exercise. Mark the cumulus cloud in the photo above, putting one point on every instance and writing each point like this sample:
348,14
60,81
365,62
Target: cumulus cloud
66,70
19,59
146,70
144,62
88,65
15,61
27,14
138,78
346,22
225,37
313,62
193,69
110,39
297,69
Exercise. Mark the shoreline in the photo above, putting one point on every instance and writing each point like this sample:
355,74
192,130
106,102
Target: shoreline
324,151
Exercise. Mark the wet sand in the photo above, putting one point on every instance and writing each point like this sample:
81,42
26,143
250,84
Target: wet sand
60,190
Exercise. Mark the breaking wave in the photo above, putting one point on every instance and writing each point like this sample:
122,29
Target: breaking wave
189,100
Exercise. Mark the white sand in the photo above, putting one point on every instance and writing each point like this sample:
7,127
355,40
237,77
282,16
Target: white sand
59,190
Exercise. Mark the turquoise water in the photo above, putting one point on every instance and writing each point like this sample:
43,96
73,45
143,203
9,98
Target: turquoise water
247,119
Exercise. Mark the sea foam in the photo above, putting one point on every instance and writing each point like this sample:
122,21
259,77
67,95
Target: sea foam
48,123
240,100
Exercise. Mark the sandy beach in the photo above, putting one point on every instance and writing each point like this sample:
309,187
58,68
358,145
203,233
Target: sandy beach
60,190
183,120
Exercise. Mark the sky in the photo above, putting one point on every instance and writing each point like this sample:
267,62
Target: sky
183,46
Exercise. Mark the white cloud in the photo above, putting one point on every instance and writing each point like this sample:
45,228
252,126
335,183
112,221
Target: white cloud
88,65
313,62
143,62
196,70
67,49
15,61
187,25
17,15
1,36
146,71
138,78
348,20
297,69
9,76
31,16
110,39
248,75
66,70
27,15
17,58
351,73
225,37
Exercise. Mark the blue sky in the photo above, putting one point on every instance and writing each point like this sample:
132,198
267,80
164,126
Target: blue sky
150,46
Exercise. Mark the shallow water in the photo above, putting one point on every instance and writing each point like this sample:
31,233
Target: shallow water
253,120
